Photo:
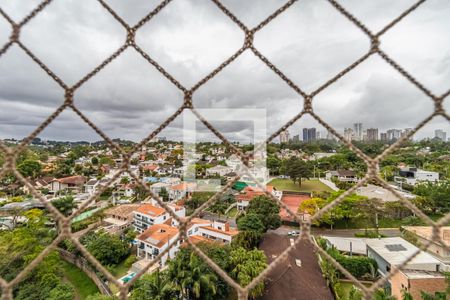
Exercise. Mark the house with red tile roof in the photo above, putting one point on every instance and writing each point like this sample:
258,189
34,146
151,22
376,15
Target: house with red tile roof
181,190
250,192
74,183
155,240
149,214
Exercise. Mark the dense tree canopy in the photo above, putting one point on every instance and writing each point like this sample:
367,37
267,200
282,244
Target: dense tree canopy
29,168
18,247
267,210
298,170
437,194
64,204
107,248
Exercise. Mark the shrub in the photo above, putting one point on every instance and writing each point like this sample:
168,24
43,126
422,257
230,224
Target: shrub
130,260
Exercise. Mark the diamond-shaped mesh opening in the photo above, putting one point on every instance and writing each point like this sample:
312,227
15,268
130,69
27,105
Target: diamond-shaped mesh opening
190,50
364,118
321,33
129,41
89,27
422,59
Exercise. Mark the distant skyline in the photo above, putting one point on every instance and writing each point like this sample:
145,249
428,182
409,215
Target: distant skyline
310,43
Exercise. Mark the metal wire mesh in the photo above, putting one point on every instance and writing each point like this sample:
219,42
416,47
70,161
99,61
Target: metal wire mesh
63,222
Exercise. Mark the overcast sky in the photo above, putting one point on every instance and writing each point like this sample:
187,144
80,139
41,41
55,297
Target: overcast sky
310,43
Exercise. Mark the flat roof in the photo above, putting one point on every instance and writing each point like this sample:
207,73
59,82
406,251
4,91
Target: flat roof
114,221
343,244
396,250
419,274
426,232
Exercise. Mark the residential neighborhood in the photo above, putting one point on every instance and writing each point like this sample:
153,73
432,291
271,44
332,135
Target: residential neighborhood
139,213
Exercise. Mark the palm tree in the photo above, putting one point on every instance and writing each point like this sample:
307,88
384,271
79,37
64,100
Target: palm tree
153,286
246,266
381,294
191,277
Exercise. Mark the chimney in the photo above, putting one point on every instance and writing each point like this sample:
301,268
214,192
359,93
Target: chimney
227,227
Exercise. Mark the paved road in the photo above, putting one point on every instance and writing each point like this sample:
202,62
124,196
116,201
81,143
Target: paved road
390,232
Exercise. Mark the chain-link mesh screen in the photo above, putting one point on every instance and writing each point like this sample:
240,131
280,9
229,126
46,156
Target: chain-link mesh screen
63,222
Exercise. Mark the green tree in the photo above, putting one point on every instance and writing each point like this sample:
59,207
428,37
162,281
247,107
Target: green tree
191,277
94,160
382,294
273,164
247,239
247,265
125,180
64,204
20,246
62,292
436,296
251,222
355,294
153,286
164,194
437,193
267,210
29,168
298,169
107,248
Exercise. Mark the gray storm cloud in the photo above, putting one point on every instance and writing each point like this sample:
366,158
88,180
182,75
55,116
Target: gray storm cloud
310,43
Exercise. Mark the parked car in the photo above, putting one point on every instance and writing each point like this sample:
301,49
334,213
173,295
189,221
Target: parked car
294,233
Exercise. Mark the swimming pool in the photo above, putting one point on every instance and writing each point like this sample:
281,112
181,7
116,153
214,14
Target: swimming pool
85,215
128,277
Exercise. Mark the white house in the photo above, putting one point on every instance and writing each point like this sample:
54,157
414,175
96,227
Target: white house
147,215
155,240
250,192
157,187
413,176
67,183
217,231
234,162
390,252
342,175
218,170
179,191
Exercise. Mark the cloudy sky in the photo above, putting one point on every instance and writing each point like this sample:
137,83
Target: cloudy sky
310,43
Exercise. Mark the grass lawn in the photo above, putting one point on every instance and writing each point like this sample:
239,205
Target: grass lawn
307,185
347,287
232,213
82,284
121,269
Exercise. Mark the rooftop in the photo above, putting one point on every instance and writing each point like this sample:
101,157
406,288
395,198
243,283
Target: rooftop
148,209
358,245
396,250
230,232
418,274
124,210
158,234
